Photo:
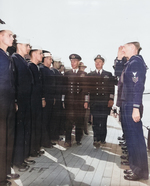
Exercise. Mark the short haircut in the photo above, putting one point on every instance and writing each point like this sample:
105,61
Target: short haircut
137,45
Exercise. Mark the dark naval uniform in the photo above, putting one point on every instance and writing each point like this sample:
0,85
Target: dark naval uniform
7,116
74,103
36,109
57,107
48,84
133,87
101,90
23,83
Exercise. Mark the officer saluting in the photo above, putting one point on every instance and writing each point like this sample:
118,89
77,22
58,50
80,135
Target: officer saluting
74,100
101,99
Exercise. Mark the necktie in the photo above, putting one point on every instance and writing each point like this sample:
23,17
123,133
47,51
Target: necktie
99,73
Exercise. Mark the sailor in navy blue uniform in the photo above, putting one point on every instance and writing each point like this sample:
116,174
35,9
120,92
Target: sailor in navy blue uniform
101,99
23,83
133,79
37,101
48,92
58,128
7,105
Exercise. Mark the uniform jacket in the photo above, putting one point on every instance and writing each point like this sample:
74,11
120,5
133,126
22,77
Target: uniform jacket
23,75
133,81
101,87
7,89
48,82
74,86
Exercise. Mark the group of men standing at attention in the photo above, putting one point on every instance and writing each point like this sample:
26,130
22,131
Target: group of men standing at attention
39,104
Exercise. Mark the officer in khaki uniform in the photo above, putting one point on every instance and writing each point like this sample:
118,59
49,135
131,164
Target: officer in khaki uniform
74,100
101,88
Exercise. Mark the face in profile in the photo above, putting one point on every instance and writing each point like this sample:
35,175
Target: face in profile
74,63
39,55
48,60
25,48
99,64
7,38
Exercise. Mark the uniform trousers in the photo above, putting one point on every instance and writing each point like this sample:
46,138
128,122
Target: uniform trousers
75,113
22,130
7,132
135,142
56,116
36,126
100,112
46,123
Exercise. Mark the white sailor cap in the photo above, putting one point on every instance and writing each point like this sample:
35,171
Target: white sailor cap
56,58
36,47
5,27
46,53
22,40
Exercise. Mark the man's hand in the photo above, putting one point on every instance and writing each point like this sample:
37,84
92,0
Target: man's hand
43,103
120,53
136,115
16,107
86,105
110,103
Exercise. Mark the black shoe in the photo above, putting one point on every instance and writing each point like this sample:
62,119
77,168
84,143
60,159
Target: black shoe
132,177
41,152
124,148
125,152
13,176
8,183
124,163
29,162
122,143
86,133
124,157
79,143
103,142
121,138
128,171
53,143
24,167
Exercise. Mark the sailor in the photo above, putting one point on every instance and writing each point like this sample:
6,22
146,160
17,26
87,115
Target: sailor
23,83
48,84
37,101
133,79
7,105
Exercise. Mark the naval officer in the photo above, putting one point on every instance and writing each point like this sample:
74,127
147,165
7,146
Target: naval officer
101,99
74,100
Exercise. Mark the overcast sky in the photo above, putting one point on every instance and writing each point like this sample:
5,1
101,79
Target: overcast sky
85,27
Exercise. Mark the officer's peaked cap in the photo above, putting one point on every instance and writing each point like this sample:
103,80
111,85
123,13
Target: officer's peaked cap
99,57
75,56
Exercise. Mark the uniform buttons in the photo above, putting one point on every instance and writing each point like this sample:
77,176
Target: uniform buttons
97,94
71,92
102,88
102,82
78,86
102,94
77,82
97,88
77,92
96,82
71,82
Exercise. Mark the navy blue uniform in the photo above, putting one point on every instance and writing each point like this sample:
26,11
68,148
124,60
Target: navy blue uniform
48,86
101,91
7,116
23,83
132,93
74,103
57,107
36,109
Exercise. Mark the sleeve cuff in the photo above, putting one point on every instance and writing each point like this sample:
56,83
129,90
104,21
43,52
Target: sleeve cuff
136,106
